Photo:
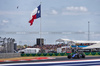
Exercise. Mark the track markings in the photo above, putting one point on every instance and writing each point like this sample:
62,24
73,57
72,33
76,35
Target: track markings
38,58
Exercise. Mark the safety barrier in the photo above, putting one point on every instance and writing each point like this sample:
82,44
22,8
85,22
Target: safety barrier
9,55
58,54
92,53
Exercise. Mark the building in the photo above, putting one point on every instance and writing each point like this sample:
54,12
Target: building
40,41
7,44
15,46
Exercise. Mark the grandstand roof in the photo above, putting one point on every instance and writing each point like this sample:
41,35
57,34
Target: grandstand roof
80,41
93,46
76,41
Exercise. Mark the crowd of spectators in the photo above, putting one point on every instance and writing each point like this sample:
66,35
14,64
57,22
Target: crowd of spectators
49,47
84,44
53,47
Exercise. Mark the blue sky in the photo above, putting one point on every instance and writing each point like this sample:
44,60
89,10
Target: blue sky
65,17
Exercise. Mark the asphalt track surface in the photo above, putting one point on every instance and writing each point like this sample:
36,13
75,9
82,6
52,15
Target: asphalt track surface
53,60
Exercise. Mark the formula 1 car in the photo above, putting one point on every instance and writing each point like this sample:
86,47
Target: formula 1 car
76,55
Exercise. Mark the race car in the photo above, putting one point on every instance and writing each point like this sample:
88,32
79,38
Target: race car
76,55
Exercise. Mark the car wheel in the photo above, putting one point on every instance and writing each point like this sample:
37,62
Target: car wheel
83,55
78,56
22,52
69,56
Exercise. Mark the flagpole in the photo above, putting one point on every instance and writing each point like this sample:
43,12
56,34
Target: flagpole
40,28
40,23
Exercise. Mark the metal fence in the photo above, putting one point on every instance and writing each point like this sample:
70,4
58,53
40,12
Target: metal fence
9,55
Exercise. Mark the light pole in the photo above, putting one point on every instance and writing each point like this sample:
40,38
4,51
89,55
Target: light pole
88,30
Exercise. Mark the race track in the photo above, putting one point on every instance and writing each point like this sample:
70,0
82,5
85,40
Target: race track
54,59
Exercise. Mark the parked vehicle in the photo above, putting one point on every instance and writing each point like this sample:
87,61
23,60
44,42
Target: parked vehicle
29,50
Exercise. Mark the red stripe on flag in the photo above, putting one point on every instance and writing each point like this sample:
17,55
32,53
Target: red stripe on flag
32,20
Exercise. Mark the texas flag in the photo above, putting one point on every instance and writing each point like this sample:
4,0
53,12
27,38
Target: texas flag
35,14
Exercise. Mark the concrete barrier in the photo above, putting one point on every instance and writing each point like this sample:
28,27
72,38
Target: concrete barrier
9,55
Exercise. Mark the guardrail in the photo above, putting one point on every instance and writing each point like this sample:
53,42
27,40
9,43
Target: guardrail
58,54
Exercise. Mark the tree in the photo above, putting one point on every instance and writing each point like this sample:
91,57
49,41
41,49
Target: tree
25,45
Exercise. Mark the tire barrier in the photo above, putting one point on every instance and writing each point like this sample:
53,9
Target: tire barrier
58,54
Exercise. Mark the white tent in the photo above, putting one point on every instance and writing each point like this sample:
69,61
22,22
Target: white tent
93,46
62,40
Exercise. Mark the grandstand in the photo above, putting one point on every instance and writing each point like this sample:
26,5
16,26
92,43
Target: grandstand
79,43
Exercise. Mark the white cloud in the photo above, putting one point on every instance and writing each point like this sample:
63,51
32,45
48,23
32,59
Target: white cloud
72,10
81,8
74,13
5,21
54,12
51,12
